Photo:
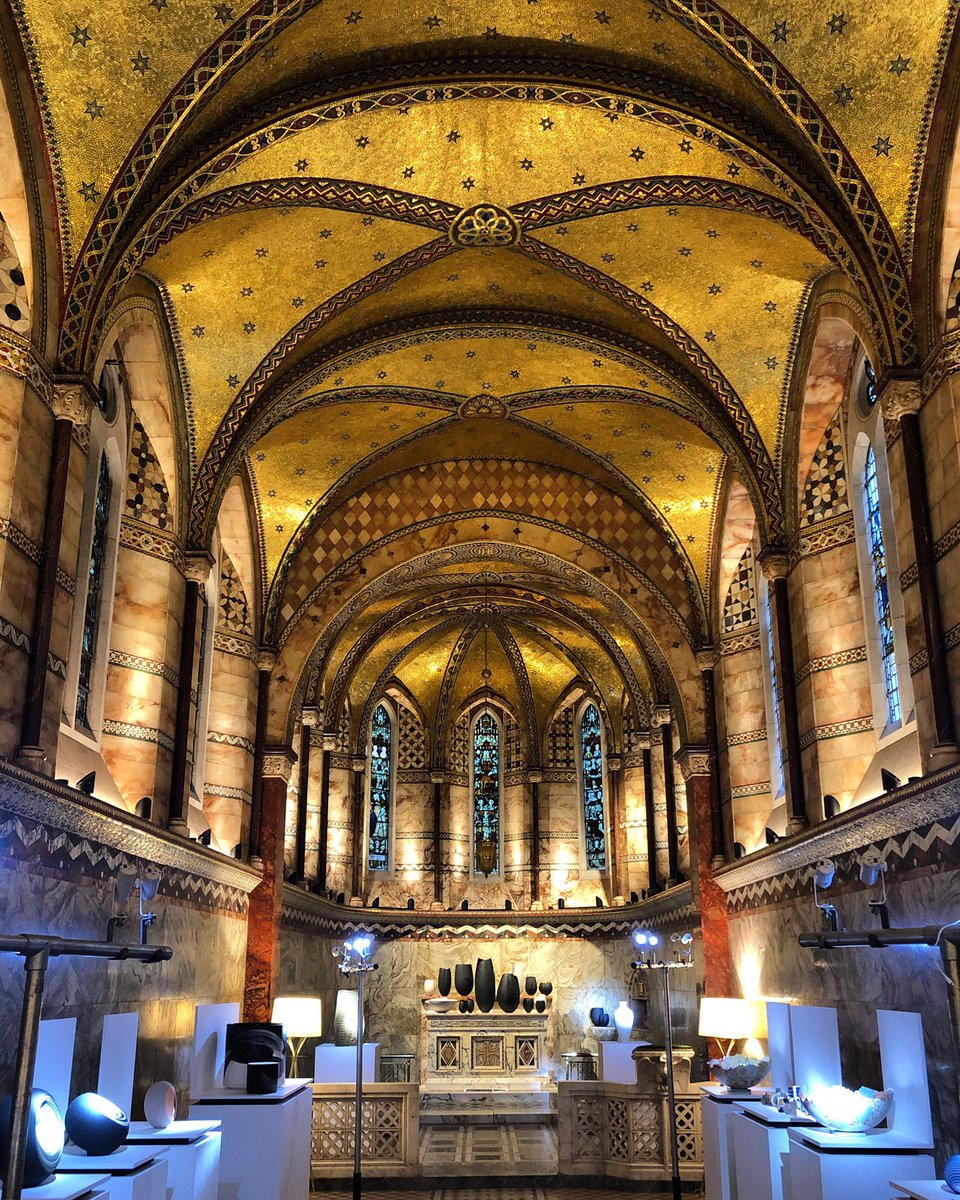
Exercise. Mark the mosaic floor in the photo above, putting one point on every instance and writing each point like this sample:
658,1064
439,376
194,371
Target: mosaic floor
502,1149
523,1193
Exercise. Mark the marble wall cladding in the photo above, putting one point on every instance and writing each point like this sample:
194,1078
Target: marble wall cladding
768,961
339,827
635,816
207,967
231,728
744,751
308,968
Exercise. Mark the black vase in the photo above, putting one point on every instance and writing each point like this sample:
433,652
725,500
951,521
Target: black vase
464,1006
443,981
530,985
463,978
528,1004
471,1005
508,993
604,1020
540,1004
546,988
484,984
596,1017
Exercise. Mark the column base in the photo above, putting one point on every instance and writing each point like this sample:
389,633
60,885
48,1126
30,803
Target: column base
356,902
256,862
178,826
797,825
31,758
536,906
946,754
617,902
717,862
436,906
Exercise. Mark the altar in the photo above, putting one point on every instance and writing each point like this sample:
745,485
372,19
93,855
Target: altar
486,1052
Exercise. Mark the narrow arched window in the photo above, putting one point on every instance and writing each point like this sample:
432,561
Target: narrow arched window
776,750
881,588
381,789
591,789
91,613
486,795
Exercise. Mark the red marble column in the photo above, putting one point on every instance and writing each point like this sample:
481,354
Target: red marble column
695,766
266,900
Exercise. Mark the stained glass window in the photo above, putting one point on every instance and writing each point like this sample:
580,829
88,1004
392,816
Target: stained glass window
91,614
775,703
869,384
486,795
881,587
591,784
381,784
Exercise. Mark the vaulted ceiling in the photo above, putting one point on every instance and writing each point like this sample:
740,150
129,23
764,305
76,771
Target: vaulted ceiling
529,275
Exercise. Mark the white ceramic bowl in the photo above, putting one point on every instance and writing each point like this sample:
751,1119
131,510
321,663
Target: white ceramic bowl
160,1104
440,1004
844,1111
738,1072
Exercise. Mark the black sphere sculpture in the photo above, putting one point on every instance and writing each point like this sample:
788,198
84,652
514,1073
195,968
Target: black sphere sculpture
95,1124
44,1138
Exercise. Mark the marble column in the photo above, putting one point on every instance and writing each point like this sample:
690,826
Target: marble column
437,778
901,401
329,745
696,768
619,883
653,875
535,778
663,717
72,403
266,660
358,765
196,572
707,660
774,565
308,721
266,899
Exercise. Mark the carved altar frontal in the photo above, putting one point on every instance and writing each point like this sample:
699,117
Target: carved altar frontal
492,1051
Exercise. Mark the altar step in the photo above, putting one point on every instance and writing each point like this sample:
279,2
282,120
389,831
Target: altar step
475,1107
502,1149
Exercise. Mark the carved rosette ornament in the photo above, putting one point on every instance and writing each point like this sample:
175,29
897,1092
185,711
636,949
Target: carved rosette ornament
484,225
72,402
774,562
900,398
694,761
483,405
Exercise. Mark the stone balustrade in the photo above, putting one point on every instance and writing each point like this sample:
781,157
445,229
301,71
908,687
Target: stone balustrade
390,1130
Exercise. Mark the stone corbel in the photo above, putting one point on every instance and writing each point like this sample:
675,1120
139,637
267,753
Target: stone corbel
266,658
774,562
535,775
662,714
197,566
330,742
278,763
642,741
358,763
614,762
438,777
310,717
693,761
73,400
707,658
900,398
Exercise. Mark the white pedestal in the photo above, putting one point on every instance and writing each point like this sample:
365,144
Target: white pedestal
717,1110
761,1145
67,1187
840,1166
920,1189
135,1172
266,1141
192,1151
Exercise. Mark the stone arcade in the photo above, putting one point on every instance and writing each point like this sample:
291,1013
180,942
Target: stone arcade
487,476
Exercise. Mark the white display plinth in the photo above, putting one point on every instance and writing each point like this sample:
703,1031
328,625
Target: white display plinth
67,1187
338,1064
135,1172
192,1151
760,1148
265,1152
919,1189
617,1064
839,1166
717,1110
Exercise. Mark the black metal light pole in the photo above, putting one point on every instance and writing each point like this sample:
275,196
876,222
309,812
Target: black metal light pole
355,960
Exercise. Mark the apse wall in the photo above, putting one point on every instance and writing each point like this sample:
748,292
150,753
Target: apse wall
58,856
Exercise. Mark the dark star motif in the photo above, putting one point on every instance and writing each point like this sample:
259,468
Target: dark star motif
654,14
567,39
249,326
468,184
526,164
270,54
602,16
454,135
367,222
837,22
686,146
608,257
408,172
633,227
93,109
561,231
843,95
883,146
80,35
187,287
646,286
433,22
325,233
362,141
246,291
233,381
354,18
262,252
319,263
159,5
772,363
223,13
298,302
712,233
141,63
197,331
579,179
733,170
660,48
315,59
756,263
546,123
710,336
90,192
491,32
636,153
685,251
301,165
379,256
714,289
781,31
899,64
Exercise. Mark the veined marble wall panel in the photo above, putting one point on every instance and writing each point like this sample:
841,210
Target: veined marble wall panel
635,814
457,826
744,752
516,841
231,728
339,830
412,873
308,968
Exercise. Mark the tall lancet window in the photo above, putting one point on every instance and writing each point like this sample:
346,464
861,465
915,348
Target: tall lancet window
381,790
91,613
486,795
881,588
591,788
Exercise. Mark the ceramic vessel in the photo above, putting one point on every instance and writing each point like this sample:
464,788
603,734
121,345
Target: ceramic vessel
599,1017
440,1004
951,1173
738,1072
464,1006
471,1004
845,1111
463,979
623,1019
508,993
484,984
530,985
540,1004
443,982
528,1004
160,1104
95,1124
546,987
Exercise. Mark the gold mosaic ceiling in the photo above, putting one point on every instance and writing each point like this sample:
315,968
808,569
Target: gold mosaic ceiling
665,184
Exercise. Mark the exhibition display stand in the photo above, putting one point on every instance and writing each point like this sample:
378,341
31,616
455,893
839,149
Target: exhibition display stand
919,1189
192,1151
135,1172
69,1187
760,1147
719,1107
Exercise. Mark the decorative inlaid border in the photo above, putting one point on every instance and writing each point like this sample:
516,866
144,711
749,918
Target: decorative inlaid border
147,539
231,643
230,739
744,738
827,662
822,733
740,642
138,733
148,666
827,535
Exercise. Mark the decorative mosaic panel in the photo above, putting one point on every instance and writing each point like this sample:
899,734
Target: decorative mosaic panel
740,606
148,498
513,759
448,1054
343,731
412,751
458,747
561,740
233,611
487,1053
14,310
527,1053
825,491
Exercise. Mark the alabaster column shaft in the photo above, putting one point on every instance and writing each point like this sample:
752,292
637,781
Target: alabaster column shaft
618,838
179,771
324,818
670,793
653,875
47,585
716,847
303,782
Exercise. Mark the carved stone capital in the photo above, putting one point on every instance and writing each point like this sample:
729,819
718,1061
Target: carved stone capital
900,397
197,566
535,775
438,777
330,742
693,761
72,401
614,762
707,658
278,763
266,658
774,562
946,362
310,717
642,741
661,714
358,763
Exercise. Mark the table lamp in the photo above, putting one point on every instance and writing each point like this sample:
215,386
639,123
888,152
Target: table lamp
301,1018
727,1019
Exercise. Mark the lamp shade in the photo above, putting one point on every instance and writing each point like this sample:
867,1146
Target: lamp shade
731,1019
300,1016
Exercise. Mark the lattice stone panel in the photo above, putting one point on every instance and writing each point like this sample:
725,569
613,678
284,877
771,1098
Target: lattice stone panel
689,1140
589,1128
412,754
618,1131
645,1136
381,1134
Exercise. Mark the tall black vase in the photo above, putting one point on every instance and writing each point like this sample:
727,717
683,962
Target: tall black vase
508,993
463,978
443,981
484,984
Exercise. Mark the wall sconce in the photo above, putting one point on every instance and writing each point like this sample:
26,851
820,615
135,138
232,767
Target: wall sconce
873,870
822,879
